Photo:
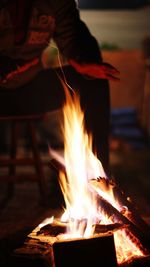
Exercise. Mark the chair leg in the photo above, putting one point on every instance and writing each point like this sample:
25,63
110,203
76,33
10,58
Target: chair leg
13,151
38,164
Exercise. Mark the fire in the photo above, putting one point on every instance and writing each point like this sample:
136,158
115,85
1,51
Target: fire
78,182
80,200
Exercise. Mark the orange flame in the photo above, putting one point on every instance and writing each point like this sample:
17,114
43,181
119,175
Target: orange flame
81,165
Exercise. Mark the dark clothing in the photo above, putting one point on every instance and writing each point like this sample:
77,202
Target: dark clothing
30,89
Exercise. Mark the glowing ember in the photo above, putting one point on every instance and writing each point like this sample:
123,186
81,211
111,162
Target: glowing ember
79,182
125,248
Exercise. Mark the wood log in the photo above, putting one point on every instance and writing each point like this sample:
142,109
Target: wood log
131,231
56,228
108,228
128,209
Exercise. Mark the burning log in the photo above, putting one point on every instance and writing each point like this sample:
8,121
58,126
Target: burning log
56,228
129,210
108,228
131,231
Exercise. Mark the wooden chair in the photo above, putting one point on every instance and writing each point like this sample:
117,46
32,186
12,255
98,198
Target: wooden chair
13,161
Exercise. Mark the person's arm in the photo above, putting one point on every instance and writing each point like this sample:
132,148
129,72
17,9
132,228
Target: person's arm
72,35
77,44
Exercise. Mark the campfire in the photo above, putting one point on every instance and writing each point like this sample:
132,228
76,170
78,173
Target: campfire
97,213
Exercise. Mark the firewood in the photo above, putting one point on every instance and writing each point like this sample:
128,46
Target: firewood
130,212
131,231
108,228
56,228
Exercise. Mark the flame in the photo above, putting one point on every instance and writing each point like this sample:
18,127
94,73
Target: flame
81,165
78,182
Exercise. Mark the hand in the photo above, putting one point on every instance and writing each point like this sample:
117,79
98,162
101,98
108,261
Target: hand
99,71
